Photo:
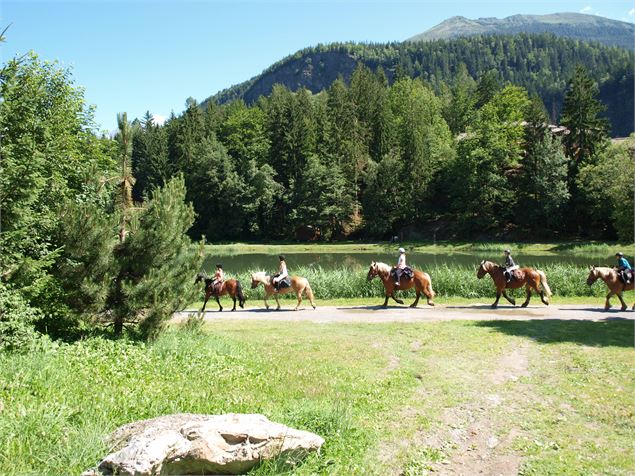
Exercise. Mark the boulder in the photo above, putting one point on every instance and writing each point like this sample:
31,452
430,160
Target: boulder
202,444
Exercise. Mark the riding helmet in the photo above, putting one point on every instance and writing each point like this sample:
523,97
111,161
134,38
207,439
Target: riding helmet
508,251
401,250
619,253
218,265
281,257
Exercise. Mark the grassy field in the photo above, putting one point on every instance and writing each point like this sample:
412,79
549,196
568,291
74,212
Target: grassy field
545,397
570,247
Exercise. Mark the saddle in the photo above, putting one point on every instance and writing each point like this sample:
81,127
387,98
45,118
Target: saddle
406,273
283,283
215,288
625,275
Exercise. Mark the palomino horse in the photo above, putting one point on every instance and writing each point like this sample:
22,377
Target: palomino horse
298,284
231,287
529,277
421,281
612,280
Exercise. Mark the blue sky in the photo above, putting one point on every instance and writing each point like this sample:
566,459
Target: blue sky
152,55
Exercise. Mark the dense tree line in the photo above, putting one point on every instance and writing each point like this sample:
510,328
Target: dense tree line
475,159
541,63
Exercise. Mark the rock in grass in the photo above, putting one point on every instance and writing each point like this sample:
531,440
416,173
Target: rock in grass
202,444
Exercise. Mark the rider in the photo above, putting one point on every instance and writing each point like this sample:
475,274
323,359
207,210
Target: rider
282,273
509,265
624,268
401,265
219,277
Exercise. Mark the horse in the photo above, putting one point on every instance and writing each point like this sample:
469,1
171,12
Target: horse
230,286
613,282
528,277
298,284
421,281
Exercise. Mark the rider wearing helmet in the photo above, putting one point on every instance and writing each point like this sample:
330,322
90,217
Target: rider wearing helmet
509,265
624,268
401,265
282,273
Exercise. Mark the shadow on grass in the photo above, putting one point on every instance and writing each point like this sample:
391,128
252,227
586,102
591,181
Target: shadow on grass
615,331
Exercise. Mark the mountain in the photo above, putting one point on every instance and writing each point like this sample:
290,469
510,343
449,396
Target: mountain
570,25
541,63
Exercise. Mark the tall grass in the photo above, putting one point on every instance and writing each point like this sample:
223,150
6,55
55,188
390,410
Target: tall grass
565,280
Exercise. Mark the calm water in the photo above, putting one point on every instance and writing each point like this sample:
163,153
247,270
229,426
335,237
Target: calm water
359,260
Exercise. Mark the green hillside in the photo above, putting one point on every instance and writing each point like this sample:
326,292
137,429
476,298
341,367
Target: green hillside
571,25
541,63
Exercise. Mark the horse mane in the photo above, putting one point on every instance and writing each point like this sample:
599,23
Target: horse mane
383,268
603,270
261,276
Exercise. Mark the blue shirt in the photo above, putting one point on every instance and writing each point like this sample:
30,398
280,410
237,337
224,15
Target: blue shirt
623,263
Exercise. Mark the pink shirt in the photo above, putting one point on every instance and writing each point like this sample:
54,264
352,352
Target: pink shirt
401,263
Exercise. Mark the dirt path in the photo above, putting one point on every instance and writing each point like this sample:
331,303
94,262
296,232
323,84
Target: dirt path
377,314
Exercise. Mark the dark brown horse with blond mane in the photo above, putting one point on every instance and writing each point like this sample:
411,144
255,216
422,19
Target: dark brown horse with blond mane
230,286
613,282
528,277
420,281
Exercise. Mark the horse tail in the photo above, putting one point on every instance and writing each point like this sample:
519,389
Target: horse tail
543,281
309,293
430,292
239,293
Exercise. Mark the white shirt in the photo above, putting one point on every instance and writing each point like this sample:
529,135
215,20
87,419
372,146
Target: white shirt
282,272
401,263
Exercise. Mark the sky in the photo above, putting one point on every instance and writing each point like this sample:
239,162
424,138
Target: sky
152,55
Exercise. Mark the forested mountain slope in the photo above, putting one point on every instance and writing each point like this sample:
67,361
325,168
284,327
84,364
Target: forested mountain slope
541,63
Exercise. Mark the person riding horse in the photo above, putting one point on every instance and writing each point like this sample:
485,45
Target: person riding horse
219,277
624,268
282,273
509,266
401,268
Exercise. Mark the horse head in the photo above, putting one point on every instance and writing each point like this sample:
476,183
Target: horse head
593,276
200,277
482,270
372,271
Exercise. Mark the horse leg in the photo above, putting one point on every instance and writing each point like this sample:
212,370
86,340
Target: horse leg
624,306
414,304
234,298
277,302
512,301
607,305
498,296
299,294
220,308
392,295
205,302
385,304
528,290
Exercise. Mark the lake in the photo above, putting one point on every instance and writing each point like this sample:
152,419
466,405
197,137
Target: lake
239,263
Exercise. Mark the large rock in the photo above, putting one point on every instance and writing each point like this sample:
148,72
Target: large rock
202,444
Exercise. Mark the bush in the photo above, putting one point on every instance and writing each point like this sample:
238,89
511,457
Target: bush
17,319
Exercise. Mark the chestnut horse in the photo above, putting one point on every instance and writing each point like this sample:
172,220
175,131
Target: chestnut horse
612,280
421,282
298,284
230,286
528,277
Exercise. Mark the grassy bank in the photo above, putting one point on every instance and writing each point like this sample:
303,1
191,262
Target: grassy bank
587,248
566,281
387,398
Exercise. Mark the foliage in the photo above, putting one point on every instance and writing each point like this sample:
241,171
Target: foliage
17,319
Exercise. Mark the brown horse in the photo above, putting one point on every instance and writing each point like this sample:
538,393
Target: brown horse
231,287
420,281
298,284
612,280
528,277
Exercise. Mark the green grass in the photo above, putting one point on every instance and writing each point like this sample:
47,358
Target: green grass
584,248
374,392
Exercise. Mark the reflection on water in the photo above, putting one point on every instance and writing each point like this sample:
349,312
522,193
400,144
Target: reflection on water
239,263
